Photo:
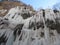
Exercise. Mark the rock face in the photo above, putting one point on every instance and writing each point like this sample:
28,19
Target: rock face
8,4
20,27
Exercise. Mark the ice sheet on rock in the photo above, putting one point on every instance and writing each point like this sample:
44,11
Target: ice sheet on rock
50,15
26,22
10,39
2,32
29,36
6,32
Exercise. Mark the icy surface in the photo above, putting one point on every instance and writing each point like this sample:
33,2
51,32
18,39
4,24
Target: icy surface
43,28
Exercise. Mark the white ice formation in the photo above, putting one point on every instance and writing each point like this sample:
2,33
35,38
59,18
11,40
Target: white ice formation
21,27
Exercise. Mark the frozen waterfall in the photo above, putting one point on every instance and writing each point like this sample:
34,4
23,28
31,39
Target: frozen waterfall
20,27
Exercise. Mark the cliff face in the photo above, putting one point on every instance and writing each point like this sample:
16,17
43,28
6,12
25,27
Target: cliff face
7,5
21,27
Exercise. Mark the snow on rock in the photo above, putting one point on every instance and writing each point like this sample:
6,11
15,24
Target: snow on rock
2,11
20,27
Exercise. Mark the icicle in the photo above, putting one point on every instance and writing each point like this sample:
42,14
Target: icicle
10,39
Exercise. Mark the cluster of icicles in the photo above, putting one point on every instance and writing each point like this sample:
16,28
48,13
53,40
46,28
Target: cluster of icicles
42,28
